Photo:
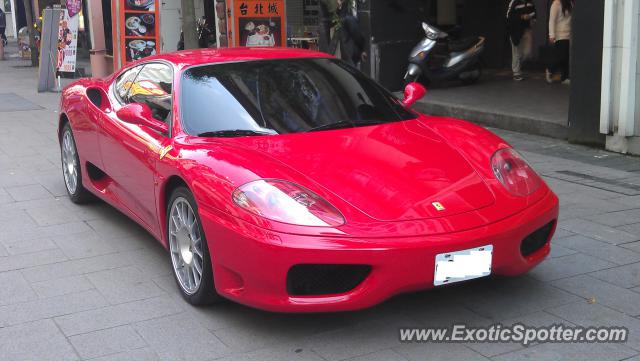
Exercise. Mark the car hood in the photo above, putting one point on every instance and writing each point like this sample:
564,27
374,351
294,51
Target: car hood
393,172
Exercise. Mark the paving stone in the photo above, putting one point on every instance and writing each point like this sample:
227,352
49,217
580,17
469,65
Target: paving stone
153,261
50,307
605,293
616,219
21,261
436,351
30,246
111,316
124,284
105,342
83,245
10,102
511,298
141,354
275,354
39,340
28,192
598,232
632,229
634,246
170,336
73,267
357,340
567,266
601,250
62,286
596,315
569,352
560,251
537,319
624,276
14,288
562,233
384,355
45,217
123,227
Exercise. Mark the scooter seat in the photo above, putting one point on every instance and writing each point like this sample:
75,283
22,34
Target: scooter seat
465,44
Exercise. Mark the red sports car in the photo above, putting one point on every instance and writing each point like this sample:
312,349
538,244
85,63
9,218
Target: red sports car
288,181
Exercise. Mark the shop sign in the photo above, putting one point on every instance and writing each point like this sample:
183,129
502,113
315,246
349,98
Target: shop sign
257,23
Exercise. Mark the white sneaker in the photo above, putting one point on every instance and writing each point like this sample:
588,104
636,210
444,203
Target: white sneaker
567,82
549,77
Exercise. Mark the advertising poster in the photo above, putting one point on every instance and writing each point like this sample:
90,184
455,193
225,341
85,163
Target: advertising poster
139,29
68,40
257,23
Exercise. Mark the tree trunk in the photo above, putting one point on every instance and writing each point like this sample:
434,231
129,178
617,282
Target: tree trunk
189,24
32,36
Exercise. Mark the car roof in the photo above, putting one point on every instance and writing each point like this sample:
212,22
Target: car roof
187,58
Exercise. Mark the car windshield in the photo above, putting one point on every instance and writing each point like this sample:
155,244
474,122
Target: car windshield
282,96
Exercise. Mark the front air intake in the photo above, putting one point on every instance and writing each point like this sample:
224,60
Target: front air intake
318,279
536,240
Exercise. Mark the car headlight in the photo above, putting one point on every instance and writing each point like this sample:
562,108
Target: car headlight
515,173
287,202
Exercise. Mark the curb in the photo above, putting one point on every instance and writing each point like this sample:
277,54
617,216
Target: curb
503,121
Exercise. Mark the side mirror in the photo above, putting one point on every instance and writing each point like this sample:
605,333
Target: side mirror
140,114
412,93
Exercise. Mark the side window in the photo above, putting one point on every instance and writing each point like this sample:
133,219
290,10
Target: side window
124,82
153,87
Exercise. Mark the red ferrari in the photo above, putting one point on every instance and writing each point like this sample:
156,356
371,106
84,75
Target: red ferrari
288,181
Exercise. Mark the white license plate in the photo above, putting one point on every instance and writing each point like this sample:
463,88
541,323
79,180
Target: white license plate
463,265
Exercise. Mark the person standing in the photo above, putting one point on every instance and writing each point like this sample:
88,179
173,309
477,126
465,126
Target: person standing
352,41
3,27
325,18
560,38
521,17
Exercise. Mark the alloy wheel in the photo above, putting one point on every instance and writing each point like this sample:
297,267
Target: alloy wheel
70,167
185,245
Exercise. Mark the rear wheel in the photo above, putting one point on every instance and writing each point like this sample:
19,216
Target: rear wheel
71,167
188,249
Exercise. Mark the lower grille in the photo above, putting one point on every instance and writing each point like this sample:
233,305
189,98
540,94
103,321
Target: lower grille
536,240
318,279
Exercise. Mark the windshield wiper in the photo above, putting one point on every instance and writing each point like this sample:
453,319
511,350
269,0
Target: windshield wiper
345,124
233,133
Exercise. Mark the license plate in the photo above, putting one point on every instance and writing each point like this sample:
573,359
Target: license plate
464,265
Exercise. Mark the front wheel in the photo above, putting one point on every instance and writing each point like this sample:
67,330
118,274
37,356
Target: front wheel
188,249
71,171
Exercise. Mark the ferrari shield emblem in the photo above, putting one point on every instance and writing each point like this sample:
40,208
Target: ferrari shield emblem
165,150
438,206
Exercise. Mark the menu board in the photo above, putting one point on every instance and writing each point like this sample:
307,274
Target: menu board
257,23
138,29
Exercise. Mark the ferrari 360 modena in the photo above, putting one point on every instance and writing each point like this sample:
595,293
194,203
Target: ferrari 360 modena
286,180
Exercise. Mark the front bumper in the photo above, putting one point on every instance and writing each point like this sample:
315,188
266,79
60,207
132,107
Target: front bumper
250,264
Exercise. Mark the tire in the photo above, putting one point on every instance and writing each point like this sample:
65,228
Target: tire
71,169
186,253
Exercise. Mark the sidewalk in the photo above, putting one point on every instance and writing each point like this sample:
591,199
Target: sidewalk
531,106
85,282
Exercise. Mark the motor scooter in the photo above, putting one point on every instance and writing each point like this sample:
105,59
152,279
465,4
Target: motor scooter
438,57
